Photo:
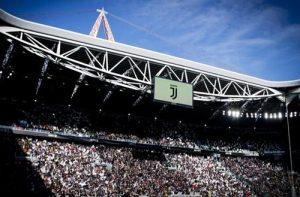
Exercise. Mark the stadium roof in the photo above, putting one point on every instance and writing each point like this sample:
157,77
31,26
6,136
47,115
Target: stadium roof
139,52
68,50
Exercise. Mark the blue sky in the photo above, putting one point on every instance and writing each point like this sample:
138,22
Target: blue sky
260,38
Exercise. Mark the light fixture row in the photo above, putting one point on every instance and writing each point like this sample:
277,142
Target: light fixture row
265,115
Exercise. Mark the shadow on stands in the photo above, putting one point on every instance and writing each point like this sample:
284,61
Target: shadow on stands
18,177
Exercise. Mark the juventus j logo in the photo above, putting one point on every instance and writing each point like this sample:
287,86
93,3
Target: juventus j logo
174,91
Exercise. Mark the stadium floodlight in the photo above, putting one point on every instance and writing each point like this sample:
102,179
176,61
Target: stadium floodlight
229,112
237,113
266,116
233,113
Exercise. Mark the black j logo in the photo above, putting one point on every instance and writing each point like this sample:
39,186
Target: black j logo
174,91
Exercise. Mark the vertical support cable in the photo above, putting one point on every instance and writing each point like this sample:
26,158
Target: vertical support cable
290,149
6,58
79,81
43,72
44,69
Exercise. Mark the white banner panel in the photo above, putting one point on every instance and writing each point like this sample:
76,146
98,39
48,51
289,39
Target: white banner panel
173,91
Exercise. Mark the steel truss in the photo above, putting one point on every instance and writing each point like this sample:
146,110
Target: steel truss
131,71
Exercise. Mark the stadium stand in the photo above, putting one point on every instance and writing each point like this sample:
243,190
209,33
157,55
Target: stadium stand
176,163
64,133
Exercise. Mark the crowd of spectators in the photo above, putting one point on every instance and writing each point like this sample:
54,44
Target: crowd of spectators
98,170
69,121
57,118
264,177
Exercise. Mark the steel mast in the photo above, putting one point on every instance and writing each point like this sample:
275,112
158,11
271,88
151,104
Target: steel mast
107,30
94,32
